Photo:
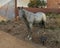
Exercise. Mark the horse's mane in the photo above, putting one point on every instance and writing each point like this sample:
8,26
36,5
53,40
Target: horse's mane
25,19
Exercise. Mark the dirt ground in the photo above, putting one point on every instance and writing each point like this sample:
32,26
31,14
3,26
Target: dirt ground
8,41
19,30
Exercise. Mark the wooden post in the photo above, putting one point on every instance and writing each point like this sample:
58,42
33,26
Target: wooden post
16,10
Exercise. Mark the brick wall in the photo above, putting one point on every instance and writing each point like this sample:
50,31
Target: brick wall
45,10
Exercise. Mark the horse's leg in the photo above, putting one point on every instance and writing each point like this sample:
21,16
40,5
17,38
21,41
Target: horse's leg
28,28
42,24
30,31
30,25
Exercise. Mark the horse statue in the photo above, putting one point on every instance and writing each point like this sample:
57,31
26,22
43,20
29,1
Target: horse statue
30,18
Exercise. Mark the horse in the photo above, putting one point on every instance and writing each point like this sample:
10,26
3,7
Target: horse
30,18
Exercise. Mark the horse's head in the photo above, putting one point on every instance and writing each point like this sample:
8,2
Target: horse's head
21,12
20,8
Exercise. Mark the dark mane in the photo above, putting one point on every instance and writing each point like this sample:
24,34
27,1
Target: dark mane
25,20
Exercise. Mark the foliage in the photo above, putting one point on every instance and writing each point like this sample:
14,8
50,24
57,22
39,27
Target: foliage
36,3
44,3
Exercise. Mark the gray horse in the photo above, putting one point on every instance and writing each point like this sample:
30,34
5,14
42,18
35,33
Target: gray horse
30,18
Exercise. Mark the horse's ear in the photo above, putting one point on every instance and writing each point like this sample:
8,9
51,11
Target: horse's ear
18,7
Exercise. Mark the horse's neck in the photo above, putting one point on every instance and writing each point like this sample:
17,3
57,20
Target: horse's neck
29,15
26,12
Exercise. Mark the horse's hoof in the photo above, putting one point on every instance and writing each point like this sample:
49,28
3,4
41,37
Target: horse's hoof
30,38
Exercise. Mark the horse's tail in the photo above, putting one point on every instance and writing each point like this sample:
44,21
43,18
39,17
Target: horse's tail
44,18
43,22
